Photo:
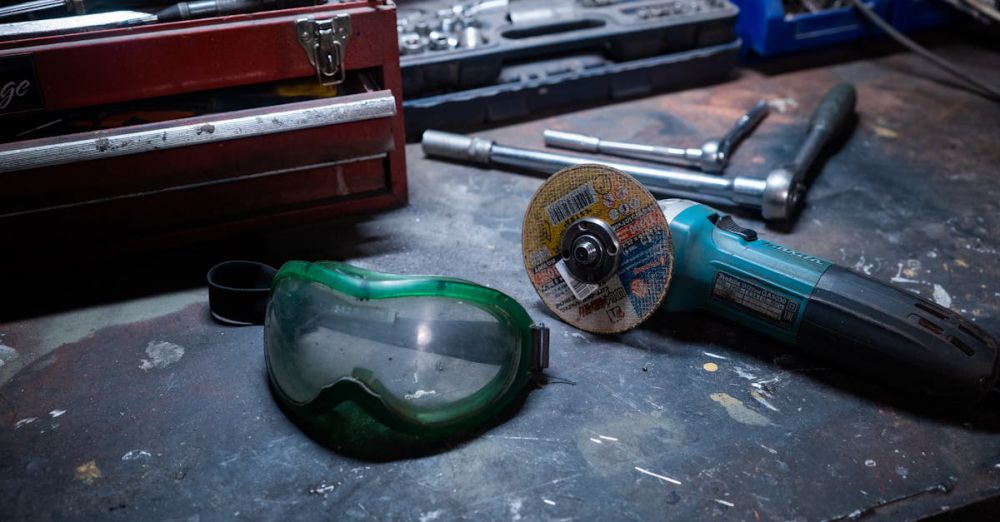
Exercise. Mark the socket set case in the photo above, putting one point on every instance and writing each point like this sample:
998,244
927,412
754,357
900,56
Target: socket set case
481,62
167,133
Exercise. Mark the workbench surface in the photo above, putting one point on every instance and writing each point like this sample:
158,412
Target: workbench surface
121,398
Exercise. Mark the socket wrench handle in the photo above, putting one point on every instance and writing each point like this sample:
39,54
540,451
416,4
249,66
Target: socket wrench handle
585,143
726,191
832,116
712,157
743,127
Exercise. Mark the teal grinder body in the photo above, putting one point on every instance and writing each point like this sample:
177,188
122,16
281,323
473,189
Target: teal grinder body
848,319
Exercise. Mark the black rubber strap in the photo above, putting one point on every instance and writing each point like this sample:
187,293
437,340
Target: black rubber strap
238,291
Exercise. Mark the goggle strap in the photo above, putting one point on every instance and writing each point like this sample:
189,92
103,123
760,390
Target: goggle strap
539,347
238,291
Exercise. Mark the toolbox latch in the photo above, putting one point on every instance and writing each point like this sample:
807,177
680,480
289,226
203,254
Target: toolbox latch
324,42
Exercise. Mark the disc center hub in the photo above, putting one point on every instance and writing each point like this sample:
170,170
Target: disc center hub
590,250
587,250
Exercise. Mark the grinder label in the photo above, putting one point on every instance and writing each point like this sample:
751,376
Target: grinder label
638,286
756,299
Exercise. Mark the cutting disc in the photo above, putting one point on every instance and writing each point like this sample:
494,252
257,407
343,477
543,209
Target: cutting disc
599,197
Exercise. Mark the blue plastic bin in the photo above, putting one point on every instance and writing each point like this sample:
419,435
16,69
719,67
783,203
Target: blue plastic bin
766,29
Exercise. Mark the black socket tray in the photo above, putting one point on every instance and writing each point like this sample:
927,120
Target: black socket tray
439,55
591,81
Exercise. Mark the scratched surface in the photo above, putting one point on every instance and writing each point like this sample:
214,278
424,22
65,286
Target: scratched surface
139,406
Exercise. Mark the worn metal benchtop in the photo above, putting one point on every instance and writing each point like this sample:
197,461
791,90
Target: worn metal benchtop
123,399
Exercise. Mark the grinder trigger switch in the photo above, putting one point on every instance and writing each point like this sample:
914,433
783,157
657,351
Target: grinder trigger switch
727,224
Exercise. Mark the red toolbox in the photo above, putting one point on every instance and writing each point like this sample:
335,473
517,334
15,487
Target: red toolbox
165,133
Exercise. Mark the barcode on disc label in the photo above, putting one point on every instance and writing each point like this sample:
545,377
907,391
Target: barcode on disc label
577,200
581,290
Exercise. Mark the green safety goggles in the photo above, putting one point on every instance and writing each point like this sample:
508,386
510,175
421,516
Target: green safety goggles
422,355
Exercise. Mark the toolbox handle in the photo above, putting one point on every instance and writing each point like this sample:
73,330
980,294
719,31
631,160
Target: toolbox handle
199,130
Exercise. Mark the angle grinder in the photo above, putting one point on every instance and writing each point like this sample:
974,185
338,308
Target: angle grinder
602,253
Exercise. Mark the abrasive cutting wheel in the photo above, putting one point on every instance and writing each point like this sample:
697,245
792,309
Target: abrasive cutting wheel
597,248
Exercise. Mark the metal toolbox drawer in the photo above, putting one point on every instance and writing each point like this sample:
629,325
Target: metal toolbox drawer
210,174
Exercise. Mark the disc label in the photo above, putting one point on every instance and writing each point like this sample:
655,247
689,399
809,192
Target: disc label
581,289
